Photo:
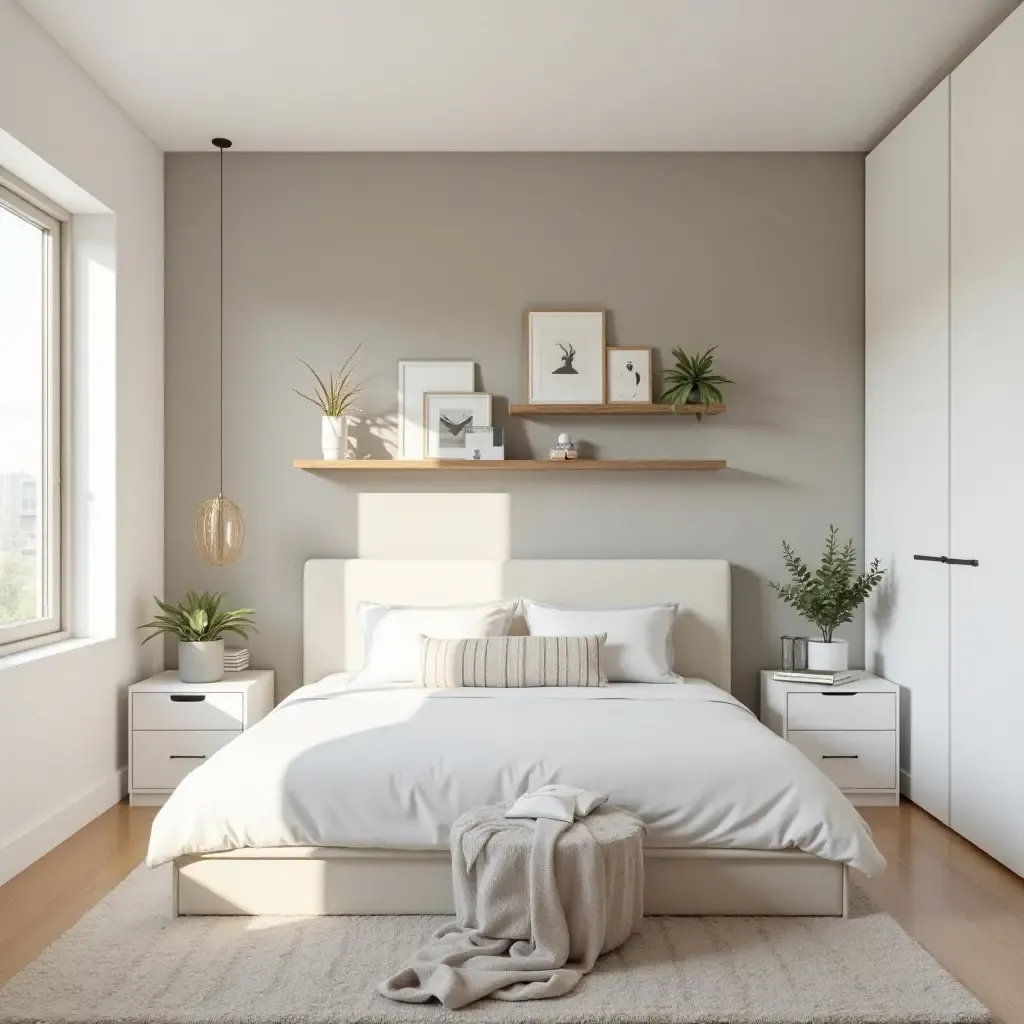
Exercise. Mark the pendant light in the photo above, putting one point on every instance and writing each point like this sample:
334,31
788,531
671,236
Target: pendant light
220,529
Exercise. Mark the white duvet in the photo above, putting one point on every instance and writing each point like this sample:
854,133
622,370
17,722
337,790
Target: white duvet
393,766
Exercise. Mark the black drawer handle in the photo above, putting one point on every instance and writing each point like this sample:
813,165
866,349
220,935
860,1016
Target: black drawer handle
839,757
839,693
187,757
188,698
945,560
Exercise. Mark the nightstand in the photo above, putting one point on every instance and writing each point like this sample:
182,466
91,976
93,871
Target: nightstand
174,726
851,732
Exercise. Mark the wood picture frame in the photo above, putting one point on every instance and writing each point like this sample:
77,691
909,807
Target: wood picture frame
472,408
636,364
552,340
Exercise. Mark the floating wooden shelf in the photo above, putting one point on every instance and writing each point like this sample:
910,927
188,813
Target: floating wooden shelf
498,465
625,409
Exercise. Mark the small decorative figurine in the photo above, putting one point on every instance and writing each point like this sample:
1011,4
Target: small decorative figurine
565,449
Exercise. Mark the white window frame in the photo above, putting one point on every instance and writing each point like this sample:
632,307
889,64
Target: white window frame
53,548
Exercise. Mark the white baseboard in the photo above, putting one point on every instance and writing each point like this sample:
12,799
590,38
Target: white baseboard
18,853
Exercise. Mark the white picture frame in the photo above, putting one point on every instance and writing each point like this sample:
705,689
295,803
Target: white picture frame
485,444
446,417
629,380
565,360
416,377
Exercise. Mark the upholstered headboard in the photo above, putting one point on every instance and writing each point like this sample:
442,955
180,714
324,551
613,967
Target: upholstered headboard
332,587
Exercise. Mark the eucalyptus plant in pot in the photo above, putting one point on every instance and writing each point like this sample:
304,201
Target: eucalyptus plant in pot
334,396
200,625
828,597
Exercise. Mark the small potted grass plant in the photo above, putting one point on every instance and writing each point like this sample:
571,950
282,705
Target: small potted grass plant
200,625
827,597
691,382
334,396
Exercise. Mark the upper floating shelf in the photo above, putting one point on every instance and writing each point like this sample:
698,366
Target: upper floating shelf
500,465
623,409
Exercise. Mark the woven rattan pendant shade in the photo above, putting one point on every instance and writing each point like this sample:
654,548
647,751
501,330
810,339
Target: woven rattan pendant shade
220,528
220,531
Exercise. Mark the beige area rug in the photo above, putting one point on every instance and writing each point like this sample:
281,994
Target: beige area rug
128,960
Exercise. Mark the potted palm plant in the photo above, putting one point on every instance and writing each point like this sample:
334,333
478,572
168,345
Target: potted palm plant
691,382
827,597
334,397
200,625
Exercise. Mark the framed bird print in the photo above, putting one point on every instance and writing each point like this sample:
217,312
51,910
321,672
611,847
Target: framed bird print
629,376
565,357
415,378
447,417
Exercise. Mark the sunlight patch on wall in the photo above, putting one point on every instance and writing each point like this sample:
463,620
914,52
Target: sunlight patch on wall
425,526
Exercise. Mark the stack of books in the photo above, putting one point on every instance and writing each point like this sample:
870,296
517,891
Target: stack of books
236,659
809,676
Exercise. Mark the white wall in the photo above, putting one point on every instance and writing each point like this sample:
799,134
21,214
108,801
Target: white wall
62,714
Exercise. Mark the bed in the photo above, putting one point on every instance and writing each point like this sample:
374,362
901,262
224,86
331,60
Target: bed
339,801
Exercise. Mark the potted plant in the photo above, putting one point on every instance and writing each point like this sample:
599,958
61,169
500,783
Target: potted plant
333,397
691,382
200,625
828,597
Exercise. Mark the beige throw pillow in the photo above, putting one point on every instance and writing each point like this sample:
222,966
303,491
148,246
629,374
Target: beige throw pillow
512,661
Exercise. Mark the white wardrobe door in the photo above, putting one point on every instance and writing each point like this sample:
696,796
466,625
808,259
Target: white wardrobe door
907,434
987,454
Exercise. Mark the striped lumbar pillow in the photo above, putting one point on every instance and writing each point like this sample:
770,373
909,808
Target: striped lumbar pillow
512,661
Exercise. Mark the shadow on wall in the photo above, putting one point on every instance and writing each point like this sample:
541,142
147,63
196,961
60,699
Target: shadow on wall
373,435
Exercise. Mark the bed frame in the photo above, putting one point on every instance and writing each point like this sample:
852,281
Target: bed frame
337,880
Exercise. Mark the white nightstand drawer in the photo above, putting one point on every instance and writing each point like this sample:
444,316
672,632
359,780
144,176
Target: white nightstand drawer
160,760
188,710
840,709
852,760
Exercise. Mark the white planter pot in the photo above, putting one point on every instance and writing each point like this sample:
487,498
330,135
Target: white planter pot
334,436
201,662
823,657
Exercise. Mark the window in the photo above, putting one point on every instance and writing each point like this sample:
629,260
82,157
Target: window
30,431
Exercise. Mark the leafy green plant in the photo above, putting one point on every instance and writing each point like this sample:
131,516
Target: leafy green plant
336,394
693,374
199,618
828,597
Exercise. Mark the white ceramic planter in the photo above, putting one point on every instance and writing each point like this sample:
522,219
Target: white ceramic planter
823,657
201,661
334,436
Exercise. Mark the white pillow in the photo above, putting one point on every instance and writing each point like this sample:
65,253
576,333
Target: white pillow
391,634
639,645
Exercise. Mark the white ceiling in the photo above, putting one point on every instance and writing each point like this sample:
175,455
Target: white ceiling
517,74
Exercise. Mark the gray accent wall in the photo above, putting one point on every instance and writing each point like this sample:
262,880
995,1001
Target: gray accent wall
438,256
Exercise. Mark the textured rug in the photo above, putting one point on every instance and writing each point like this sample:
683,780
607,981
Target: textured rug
129,962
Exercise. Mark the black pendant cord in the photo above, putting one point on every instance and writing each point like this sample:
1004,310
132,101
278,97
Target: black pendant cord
222,320
222,144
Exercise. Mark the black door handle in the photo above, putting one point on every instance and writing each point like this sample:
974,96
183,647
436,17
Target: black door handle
945,560
839,757
187,757
188,698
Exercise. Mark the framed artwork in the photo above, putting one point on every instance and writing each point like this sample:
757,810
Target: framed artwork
629,376
485,444
565,357
447,417
415,378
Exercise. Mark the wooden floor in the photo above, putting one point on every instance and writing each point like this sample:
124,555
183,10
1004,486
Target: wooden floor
961,905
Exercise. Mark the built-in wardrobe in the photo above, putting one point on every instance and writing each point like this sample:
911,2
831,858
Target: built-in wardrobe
944,437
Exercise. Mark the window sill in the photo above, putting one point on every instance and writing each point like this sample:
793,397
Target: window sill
45,647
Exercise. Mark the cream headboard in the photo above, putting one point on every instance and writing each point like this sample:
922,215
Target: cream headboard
332,587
